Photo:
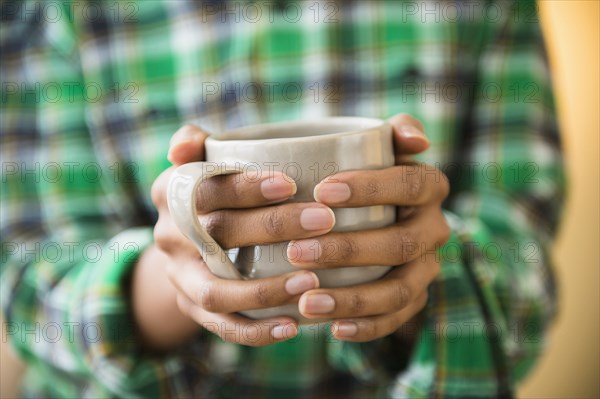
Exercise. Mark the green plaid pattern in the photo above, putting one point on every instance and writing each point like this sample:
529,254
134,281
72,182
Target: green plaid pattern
92,92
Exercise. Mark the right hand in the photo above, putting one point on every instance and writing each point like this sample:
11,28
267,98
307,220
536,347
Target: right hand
235,214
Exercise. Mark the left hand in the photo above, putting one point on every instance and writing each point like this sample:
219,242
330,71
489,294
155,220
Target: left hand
373,310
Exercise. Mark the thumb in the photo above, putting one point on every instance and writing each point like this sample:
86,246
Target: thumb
187,145
409,136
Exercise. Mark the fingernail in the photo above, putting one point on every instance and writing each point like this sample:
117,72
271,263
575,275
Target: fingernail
301,283
317,304
346,329
182,143
277,188
185,136
410,131
317,219
284,331
332,192
304,251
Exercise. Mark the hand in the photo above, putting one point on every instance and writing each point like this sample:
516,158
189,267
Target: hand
377,309
233,212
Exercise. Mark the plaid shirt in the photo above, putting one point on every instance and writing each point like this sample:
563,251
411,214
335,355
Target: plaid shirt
92,92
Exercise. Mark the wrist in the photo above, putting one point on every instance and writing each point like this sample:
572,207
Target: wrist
160,324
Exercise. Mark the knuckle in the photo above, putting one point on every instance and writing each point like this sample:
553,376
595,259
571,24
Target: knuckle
206,194
202,205
260,293
400,296
215,225
414,187
240,190
371,189
273,222
347,250
163,238
208,297
403,247
357,304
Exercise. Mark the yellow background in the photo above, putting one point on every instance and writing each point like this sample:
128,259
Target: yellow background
570,368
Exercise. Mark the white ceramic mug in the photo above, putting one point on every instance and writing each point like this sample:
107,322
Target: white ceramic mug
306,151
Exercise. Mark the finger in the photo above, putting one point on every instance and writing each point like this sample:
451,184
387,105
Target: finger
415,184
238,329
397,290
409,136
243,191
170,239
388,246
366,329
245,227
158,192
215,295
187,145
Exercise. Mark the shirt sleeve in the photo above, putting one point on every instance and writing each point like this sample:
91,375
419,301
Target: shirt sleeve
493,302
67,245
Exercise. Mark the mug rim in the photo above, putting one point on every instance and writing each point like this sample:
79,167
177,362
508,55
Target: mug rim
361,125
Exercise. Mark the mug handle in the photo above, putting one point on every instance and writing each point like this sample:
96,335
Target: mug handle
181,197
